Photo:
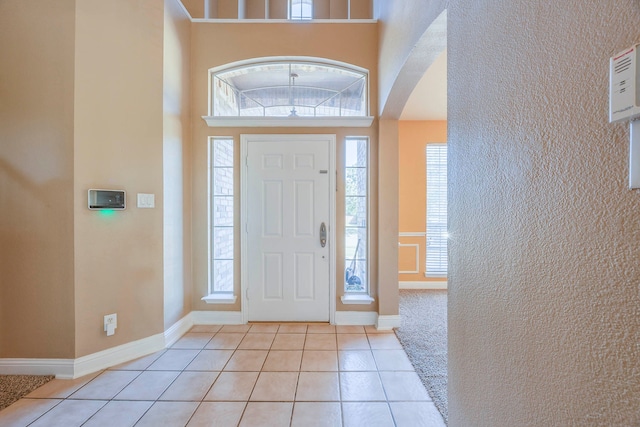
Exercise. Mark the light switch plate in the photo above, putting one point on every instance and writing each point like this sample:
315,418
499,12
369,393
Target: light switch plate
146,201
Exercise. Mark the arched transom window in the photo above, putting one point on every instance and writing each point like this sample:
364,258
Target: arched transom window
289,88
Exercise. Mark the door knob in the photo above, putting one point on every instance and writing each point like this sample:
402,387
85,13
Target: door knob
323,235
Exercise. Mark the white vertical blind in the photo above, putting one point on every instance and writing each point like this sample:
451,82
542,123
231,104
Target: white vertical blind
436,156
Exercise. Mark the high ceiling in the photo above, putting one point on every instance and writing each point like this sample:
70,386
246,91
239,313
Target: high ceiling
428,101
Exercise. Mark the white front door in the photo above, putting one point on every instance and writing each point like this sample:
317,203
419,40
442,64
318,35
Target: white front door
288,213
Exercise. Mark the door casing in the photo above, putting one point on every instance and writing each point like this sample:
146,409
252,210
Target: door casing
245,139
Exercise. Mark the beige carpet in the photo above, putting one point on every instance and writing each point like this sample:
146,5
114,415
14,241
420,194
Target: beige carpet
13,387
423,334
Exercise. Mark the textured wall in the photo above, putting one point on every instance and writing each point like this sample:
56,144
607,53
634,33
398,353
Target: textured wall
544,305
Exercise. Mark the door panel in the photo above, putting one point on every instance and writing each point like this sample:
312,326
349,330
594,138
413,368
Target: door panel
287,201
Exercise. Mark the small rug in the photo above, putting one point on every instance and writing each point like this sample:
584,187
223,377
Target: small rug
423,334
13,387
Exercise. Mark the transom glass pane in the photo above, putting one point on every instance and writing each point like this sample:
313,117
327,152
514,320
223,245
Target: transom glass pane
289,89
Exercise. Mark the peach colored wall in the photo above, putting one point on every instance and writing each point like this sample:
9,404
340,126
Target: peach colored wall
227,9
355,44
36,179
544,304
413,138
278,9
118,144
177,164
361,9
255,9
195,7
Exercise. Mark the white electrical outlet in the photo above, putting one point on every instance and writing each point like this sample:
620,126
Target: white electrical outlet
110,323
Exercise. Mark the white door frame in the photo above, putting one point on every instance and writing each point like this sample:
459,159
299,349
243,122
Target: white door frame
244,215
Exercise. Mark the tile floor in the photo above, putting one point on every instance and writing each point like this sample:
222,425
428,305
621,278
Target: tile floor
247,375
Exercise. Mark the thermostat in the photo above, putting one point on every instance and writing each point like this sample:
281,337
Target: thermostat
106,199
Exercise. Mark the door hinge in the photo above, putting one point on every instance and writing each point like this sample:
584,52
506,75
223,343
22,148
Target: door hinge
247,294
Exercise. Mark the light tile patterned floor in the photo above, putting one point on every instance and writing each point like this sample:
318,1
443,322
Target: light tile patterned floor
245,375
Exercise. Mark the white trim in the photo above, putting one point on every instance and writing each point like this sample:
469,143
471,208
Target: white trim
61,368
217,318
427,284
74,368
388,322
284,21
417,267
220,298
356,318
356,299
244,215
218,121
412,234
113,356
177,330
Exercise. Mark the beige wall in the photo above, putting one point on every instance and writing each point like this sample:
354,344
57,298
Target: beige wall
412,141
177,164
544,319
388,217
196,8
118,144
36,178
348,43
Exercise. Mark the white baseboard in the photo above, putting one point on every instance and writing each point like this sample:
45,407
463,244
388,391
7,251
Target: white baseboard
177,330
356,317
427,284
74,368
388,322
114,356
217,317
61,368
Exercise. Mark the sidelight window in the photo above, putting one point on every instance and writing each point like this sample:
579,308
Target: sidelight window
356,215
221,220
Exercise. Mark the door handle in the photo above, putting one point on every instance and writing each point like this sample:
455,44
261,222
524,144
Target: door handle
323,235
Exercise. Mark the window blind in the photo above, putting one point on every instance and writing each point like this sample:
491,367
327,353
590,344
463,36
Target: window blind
436,160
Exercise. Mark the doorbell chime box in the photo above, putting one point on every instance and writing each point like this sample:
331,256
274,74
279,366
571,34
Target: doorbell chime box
106,199
624,85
